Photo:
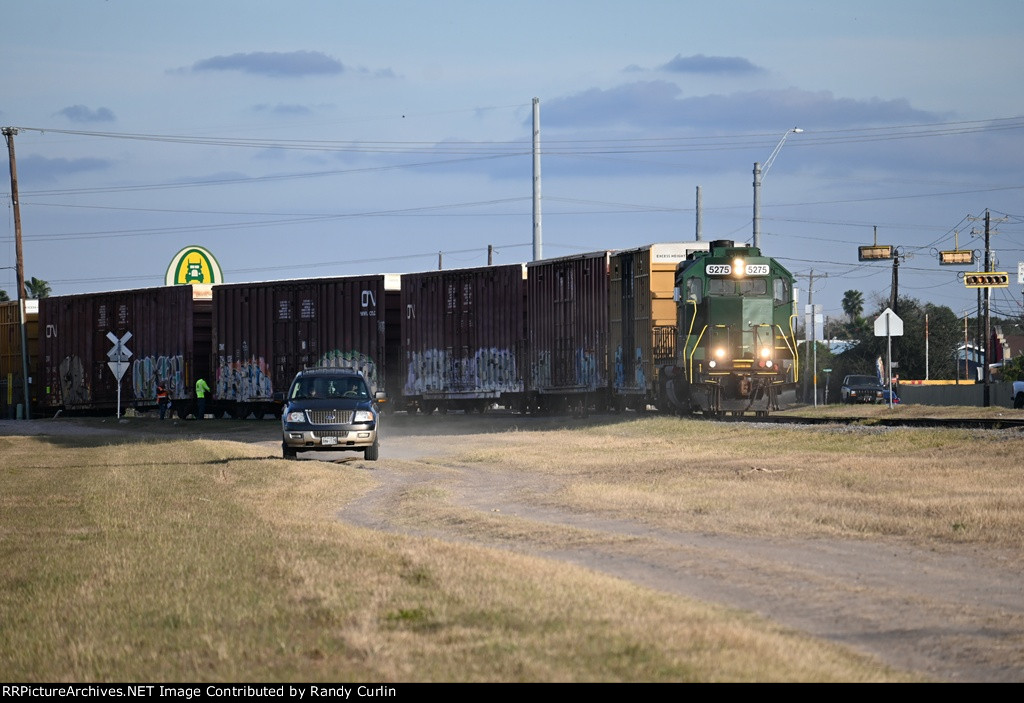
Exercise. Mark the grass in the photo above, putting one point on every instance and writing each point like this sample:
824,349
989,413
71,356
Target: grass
927,486
162,559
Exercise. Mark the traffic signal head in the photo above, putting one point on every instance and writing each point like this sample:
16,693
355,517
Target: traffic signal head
875,252
957,257
990,279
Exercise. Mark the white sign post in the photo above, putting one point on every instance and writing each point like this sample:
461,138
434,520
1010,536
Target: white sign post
119,356
888,325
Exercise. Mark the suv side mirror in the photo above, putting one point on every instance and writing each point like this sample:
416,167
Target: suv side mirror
380,397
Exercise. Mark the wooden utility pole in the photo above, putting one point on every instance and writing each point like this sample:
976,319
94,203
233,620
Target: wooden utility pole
9,133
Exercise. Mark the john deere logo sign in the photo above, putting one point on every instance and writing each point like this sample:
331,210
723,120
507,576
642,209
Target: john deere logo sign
193,265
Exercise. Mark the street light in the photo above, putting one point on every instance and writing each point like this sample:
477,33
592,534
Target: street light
759,174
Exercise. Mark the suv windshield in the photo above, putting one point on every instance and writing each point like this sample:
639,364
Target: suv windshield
353,388
862,381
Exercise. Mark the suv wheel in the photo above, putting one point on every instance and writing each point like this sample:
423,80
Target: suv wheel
288,452
372,453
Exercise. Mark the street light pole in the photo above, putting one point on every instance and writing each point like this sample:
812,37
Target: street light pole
760,173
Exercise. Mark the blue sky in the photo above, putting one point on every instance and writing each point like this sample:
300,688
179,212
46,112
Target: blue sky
335,138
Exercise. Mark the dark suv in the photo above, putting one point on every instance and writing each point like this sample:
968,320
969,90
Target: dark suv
862,389
330,410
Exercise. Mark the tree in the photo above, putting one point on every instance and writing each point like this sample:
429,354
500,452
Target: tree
944,337
4,297
37,288
853,304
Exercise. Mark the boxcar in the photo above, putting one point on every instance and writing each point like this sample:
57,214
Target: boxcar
167,326
463,338
567,332
12,387
264,333
643,319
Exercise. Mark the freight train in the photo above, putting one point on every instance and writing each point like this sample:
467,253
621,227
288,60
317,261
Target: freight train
681,327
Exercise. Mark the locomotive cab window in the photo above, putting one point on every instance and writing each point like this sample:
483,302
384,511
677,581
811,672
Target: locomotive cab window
694,290
783,293
744,288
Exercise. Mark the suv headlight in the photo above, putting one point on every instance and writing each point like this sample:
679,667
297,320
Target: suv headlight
362,416
297,416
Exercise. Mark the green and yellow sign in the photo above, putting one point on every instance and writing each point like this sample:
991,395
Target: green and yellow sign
193,265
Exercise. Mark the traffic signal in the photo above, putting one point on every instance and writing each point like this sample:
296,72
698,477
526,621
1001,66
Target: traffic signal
957,257
875,252
989,279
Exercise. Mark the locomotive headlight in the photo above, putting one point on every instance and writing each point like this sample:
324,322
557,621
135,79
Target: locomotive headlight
765,352
720,353
712,364
737,267
768,364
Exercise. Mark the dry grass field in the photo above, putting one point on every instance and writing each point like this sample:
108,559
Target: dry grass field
146,554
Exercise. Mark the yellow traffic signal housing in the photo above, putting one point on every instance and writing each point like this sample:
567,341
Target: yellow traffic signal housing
873,252
957,257
989,279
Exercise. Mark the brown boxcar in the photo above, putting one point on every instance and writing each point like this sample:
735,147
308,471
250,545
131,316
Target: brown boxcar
73,347
463,338
264,333
643,318
567,329
12,387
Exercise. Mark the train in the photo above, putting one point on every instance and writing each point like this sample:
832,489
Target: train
684,327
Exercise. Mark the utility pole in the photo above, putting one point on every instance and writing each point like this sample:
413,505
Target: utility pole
700,226
490,254
537,239
988,313
9,133
987,310
895,292
812,321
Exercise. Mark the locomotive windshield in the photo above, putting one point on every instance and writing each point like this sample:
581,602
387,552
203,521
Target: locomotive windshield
745,287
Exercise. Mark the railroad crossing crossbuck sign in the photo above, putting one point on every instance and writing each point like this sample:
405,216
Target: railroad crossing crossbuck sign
119,354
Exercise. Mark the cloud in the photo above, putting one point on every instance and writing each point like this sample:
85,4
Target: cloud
275,64
716,65
283,110
80,113
39,169
661,105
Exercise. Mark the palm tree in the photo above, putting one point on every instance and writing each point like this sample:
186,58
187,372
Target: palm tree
853,304
37,288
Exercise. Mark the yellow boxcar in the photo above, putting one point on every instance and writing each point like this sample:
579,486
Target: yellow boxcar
11,385
643,318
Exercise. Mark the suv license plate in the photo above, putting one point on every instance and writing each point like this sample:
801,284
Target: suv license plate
329,440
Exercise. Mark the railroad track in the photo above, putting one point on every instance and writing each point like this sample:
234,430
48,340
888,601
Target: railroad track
1000,423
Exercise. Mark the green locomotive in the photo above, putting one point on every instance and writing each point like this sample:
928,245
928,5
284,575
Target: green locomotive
736,348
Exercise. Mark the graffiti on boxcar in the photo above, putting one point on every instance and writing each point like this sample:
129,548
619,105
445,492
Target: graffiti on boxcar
490,370
74,384
149,370
244,380
575,369
639,380
357,361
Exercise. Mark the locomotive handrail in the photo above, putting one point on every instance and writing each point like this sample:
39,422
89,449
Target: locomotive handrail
689,333
694,351
792,350
796,354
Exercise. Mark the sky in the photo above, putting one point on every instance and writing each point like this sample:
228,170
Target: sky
328,138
